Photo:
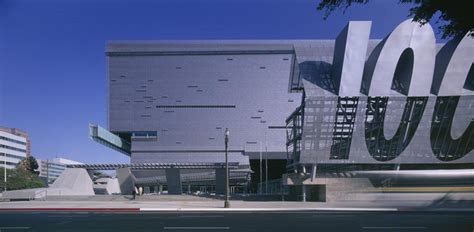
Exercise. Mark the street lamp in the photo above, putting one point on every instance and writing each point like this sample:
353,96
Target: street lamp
5,172
226,139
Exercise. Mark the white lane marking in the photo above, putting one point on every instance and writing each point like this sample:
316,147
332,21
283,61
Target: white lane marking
15,228
196,228
68,216
63,223
201,216
266,209
393,227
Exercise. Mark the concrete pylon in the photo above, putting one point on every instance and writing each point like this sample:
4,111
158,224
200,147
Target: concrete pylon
173,179
126,180
73,181
113,186
220,181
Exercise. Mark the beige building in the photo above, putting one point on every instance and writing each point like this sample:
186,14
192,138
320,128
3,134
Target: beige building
15,145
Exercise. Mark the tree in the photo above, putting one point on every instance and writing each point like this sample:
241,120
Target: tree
20,179
456,17
29,164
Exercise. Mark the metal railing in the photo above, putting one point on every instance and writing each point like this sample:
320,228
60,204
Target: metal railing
41,195
272,187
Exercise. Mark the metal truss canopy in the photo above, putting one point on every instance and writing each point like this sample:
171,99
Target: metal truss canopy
151,166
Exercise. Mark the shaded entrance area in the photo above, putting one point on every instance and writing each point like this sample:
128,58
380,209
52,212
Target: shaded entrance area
175,178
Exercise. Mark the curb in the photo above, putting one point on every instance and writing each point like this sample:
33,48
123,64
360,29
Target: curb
70,209
196,209
261,209
224,210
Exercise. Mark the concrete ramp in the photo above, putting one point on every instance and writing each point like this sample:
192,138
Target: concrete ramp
113,186
24,194
73,181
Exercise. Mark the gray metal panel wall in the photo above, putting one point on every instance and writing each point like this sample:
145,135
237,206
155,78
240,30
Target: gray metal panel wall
190,99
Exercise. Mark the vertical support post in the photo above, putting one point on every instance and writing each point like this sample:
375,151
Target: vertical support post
226,204
5,171
282,192
303,192
126,180
261,173
47,172
173,179
313,172
220,181
266,165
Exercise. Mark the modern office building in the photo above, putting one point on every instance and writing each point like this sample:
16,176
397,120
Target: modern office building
295,108
50,170
14,146
173,100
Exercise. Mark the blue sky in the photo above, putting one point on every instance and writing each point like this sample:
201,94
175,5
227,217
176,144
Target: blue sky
52,61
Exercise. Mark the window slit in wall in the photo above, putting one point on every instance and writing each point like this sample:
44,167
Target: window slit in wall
195,106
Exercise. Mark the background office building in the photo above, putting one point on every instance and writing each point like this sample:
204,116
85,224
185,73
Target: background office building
14,146
300,109
50,170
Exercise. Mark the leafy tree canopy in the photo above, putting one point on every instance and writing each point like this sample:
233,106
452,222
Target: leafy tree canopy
456,16
29,164
20,179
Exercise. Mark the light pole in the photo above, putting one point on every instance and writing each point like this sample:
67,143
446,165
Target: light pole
5,172
226,139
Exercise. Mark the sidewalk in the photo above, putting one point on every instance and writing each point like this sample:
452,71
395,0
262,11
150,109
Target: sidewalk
122,204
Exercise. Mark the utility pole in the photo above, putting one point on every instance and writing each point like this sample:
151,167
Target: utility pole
226,139
47,172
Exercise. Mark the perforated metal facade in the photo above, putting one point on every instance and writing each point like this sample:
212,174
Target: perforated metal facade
186,93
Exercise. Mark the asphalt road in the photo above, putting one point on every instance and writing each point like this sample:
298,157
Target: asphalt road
237,221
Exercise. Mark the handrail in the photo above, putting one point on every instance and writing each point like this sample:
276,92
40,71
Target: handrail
35,194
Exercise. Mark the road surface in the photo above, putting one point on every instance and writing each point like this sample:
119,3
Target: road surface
292,221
